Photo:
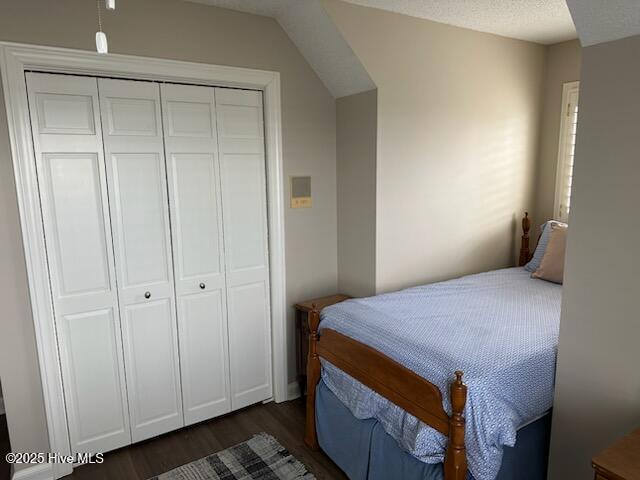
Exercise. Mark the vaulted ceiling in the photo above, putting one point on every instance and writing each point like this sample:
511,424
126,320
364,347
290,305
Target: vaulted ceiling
599,21
541,21
317,38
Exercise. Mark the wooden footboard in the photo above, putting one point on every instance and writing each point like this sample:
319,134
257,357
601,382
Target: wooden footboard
393,381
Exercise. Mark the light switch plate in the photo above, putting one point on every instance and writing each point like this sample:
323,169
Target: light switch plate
300,188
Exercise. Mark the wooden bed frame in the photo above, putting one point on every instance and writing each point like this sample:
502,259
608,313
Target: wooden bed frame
398,384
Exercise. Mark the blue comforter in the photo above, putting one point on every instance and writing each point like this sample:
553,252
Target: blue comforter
499,327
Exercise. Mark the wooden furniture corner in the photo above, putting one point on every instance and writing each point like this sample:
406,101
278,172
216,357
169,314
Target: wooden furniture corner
302,331
621,461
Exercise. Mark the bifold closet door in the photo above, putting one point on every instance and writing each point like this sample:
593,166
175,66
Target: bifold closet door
196,225
134,155
244,201
69,160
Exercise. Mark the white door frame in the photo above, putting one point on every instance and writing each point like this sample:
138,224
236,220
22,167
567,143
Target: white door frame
15,58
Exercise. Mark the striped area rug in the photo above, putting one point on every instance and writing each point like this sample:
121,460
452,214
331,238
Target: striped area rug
261,457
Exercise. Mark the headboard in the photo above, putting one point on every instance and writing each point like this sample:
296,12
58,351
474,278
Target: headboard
525,254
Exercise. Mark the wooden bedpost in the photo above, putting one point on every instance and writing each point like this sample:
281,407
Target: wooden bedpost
525,254
455,460
313,377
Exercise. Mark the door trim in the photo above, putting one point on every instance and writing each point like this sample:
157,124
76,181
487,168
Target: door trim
15,59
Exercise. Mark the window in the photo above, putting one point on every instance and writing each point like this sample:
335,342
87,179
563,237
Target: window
566,149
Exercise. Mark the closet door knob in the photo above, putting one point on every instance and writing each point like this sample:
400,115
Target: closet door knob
147,294
202,286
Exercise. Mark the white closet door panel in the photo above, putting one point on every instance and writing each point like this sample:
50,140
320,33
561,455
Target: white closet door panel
134,154
249,344
194,193
189,115
203,347
130,108
151,358
73,191
194,186
242,171
72,182
138,181
245,221
132,116
90,343
196,221
63,113
241,121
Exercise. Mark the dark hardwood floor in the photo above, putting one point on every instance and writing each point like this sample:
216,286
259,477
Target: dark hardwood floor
285,421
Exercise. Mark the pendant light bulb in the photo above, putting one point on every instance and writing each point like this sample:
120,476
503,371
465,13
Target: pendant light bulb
101,43
110,4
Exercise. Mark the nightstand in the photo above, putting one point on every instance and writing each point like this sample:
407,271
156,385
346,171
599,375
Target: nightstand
621,461
302,331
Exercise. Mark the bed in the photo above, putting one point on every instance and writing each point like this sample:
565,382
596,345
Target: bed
385,384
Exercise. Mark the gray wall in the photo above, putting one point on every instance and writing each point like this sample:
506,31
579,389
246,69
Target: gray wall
184,31
356,131
563,65
597,383
458,129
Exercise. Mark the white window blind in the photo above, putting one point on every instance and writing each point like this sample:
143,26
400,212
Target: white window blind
566,150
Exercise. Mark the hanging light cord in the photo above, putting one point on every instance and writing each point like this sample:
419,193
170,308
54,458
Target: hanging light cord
99,16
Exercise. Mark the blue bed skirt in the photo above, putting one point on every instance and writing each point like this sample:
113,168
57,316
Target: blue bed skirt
364,451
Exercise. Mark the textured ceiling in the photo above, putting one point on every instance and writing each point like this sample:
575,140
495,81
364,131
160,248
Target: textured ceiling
601,21
317,38
540,21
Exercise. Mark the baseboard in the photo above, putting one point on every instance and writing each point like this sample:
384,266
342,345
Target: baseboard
293,391
44,471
